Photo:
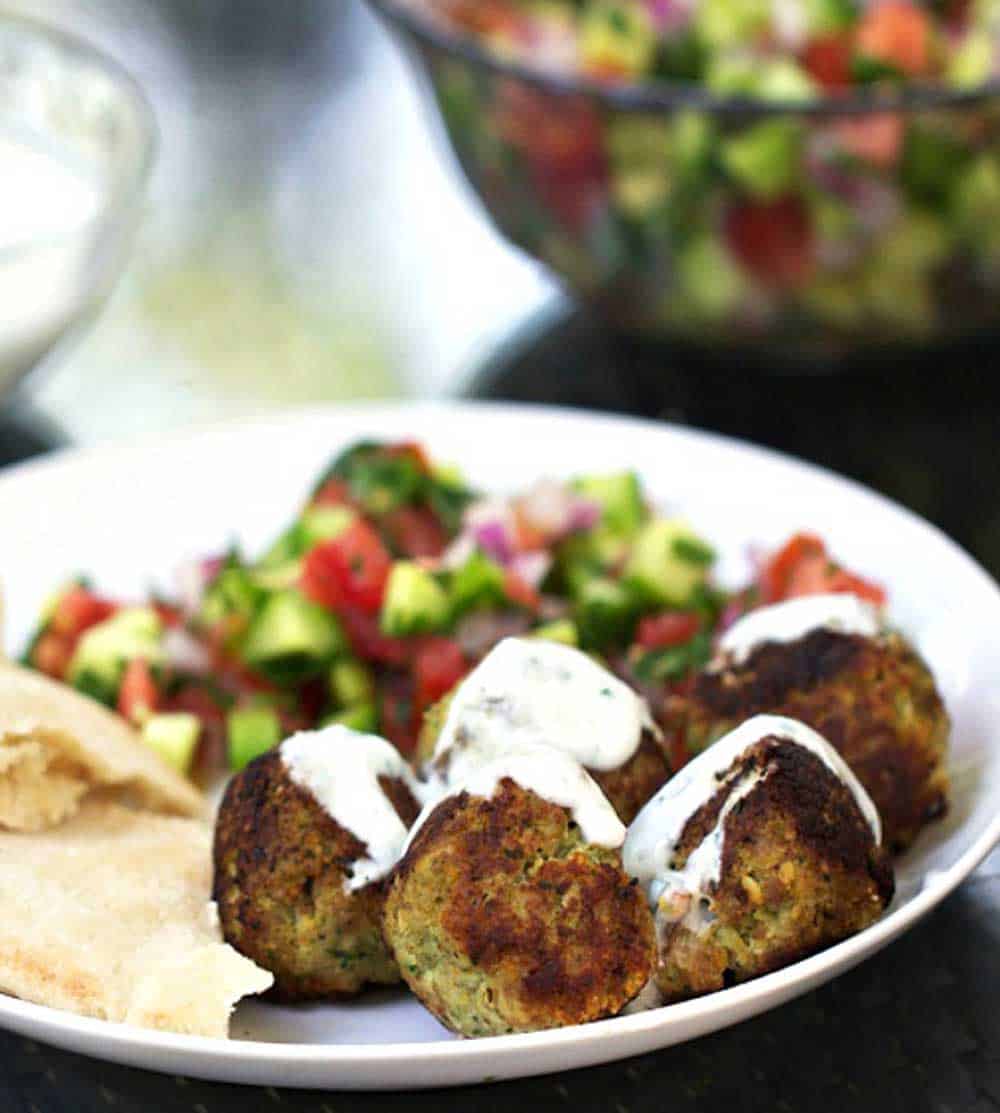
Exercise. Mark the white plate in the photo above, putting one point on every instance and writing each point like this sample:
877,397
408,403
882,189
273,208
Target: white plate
129,515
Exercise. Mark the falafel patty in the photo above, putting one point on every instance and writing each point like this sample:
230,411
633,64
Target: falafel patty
873,699
504,919
778,862
523,688
283,870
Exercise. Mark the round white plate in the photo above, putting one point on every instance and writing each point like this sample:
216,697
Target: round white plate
130,516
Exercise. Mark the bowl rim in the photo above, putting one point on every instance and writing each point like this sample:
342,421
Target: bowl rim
662,95
126,189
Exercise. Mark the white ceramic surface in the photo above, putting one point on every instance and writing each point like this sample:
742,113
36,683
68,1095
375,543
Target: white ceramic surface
130,515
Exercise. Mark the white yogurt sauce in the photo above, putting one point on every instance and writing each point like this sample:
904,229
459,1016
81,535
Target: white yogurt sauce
531,690
655,833
341,769
479,768
794,619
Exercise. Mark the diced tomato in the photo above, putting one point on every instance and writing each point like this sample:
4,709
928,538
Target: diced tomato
773,240
519,591
369,643
414,531
803,567
876,137
138,696
168,614
399,719
334,492
437,667
658,631
774,576
898,33
817,576
483,17
827,58
562,139
52,654
77,610
349,570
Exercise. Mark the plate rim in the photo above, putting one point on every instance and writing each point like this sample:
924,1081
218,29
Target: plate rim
202,1051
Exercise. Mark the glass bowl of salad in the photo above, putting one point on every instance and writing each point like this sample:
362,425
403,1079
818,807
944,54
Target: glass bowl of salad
814,177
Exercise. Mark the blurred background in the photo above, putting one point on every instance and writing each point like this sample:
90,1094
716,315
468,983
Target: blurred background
307,236
298,219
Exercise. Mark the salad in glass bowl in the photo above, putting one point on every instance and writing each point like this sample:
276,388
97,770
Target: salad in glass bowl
817,176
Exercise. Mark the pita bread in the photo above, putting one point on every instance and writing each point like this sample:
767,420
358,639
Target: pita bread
56,746
109,915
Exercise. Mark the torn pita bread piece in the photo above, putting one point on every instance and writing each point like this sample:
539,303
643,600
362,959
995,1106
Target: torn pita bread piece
109,915
57,745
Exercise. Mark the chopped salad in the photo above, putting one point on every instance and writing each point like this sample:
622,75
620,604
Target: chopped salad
777,49
391,581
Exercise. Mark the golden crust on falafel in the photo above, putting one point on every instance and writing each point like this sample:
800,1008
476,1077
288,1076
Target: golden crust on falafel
281,868
799,871
503,919
874,699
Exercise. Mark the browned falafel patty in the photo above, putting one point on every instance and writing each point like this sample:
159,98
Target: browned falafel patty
873,699
503,919
281,864
800,870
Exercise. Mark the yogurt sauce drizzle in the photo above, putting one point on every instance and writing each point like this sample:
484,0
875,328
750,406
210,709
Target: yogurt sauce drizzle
530,690
653,837
478,769
792,620
341,769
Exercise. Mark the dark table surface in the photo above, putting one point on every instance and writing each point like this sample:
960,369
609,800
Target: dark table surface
914,1029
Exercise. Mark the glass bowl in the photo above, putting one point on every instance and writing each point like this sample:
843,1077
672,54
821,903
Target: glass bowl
77,139
823,229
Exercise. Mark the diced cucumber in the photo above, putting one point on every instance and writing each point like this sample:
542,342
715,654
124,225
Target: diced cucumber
605,613
764,159
669,562
174,736
317,523
619,34
972,62
415,603
250,732
233,594
362,717
933,163
563,631
723,23
102,653
587,555
278,577
323,523
351,682
620,499
709,282
292,638
287,548
478,583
